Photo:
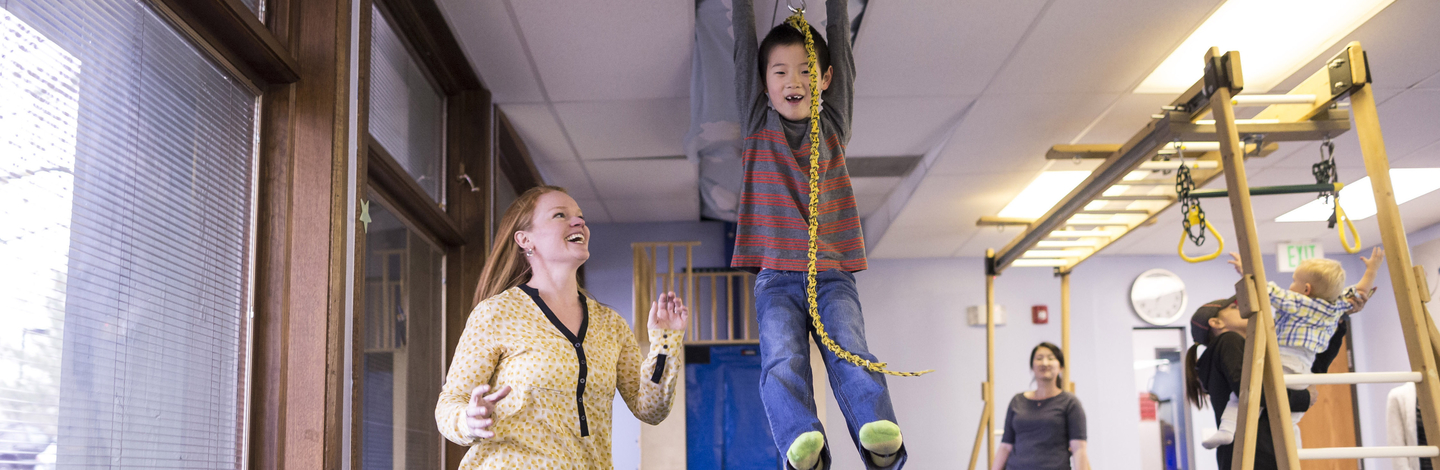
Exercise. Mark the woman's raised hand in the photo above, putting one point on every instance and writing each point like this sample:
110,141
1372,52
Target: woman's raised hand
668,312
480,413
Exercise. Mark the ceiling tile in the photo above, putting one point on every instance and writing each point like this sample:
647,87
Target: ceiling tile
542,135
916,242
655,209
1124,117
610,50
956,202
489,40
634,179
1100,45
627,128
594,211
929,48
570,176
874,186
867,204
1400,42
887,127
1006,133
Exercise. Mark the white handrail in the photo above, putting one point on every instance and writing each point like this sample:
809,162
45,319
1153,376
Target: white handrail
1352,378
1369,452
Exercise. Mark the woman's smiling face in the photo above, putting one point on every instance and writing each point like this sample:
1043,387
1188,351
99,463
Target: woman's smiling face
558,232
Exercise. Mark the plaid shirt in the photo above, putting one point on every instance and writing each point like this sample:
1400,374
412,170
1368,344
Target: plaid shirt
1305,322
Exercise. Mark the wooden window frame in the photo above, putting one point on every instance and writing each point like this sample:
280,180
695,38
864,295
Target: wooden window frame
302,75
461,221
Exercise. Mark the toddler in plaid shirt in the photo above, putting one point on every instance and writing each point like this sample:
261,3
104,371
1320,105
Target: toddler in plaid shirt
1305,318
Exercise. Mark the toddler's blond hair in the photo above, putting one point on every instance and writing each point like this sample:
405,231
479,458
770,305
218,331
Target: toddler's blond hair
1326,277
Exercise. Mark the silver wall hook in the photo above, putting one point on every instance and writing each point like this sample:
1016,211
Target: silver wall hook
467,180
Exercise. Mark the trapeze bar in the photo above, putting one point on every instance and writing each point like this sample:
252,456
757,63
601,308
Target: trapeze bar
1194,165
1269,190
1079,234
1368,452
1065,244
1034,262
989,221
1267,100
1352,378
1038,254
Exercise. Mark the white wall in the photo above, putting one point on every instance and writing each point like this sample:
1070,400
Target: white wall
915,310
1378,342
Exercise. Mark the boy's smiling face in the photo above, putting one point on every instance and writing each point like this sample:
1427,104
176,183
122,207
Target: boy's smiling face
787,81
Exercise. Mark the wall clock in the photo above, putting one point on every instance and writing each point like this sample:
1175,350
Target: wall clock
1158,297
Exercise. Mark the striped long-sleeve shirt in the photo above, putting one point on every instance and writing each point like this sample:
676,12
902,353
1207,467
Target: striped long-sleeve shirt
775,197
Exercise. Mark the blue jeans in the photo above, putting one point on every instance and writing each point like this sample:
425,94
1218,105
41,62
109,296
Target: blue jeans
785,385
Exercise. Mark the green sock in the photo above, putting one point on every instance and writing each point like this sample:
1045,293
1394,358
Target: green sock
804,452
882,439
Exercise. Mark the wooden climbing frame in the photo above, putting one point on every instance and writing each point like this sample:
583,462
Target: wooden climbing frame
1345,75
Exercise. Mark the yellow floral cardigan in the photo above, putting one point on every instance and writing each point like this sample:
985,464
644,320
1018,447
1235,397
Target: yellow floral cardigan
558,413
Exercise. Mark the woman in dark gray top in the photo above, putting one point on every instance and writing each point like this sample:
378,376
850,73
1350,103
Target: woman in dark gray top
1045,427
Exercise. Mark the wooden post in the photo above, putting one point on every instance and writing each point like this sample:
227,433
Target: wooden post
1414,325
714,310
989,418
980,434
1261,350
1065,328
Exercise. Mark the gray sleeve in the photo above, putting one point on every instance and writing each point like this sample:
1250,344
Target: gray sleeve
748,88
840,97
1009,436
1075,419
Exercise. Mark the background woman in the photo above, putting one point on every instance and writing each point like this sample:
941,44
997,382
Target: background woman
1045,427
553,356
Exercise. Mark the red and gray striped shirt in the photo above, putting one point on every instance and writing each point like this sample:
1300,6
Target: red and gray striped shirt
775,197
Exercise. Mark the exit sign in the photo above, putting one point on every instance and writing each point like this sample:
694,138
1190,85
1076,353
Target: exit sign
1288,256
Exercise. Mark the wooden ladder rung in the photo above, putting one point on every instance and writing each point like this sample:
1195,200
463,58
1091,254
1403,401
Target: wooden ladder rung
1352,378
1369,452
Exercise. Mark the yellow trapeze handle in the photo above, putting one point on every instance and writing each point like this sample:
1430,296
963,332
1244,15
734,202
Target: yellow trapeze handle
1181,248
1344,223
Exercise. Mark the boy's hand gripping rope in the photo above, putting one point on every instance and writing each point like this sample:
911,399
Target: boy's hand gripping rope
798,22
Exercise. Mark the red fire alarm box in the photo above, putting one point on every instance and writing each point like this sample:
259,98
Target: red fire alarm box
1039,314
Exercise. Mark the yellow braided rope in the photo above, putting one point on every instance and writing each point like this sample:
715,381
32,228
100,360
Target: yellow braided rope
798,21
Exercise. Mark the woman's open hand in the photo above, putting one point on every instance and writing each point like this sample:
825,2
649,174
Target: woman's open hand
480,413
668,312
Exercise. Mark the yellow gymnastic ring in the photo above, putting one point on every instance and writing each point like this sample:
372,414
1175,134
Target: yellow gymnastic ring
1344,223
1181,247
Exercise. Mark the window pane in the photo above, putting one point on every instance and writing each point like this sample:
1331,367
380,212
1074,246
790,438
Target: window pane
405,109
402,346
124,213
254,5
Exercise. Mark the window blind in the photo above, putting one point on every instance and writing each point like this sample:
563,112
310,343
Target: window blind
125,176
406,112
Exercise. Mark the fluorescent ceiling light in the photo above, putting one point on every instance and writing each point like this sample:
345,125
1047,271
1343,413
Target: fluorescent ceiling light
1052,254
1274,37
1358,198
1042,194
1066,244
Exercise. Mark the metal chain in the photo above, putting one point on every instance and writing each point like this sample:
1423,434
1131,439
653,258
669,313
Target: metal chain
1184,184
1326,172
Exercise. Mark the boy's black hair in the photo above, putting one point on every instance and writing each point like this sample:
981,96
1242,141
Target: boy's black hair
785,35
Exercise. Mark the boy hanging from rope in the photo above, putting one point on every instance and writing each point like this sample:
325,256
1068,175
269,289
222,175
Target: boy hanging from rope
798,222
